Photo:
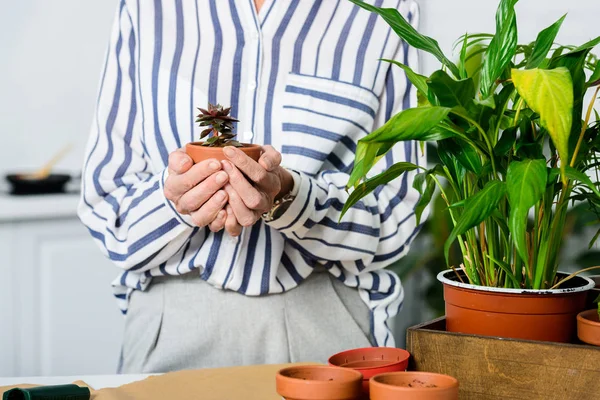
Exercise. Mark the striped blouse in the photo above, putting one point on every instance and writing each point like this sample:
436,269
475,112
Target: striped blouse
303,76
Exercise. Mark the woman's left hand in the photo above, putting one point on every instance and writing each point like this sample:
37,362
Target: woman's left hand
253,194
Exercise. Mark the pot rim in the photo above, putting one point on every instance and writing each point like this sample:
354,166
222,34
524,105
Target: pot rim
442,278
245,145
391,363
582,318
452,382
351,375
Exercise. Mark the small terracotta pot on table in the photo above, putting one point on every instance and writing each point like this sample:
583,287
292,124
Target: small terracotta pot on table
588,327
372,361
413,386
319,382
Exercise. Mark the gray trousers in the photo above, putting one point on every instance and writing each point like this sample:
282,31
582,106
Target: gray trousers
185,323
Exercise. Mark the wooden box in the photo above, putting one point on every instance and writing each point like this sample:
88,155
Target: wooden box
492,368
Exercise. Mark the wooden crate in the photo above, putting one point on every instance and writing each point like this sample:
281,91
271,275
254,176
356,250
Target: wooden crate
492,369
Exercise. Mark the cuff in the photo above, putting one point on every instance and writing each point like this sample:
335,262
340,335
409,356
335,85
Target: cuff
184,219
300,209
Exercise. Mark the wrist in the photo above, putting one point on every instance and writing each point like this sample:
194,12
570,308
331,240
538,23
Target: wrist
287,183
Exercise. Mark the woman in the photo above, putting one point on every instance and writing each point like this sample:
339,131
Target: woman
241,262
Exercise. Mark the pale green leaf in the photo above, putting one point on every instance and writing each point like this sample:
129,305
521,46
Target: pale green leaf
549,93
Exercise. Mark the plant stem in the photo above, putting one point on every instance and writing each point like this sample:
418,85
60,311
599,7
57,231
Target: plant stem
584,126
573,275
519,106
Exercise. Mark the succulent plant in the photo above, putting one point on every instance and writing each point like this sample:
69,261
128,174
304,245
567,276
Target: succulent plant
220,124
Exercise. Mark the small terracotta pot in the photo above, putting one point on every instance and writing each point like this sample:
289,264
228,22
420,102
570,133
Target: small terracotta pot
593,293
544,315
413,386
200,153
319,382
588,327
372,361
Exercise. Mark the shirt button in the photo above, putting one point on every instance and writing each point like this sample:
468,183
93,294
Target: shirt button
252,85
247,137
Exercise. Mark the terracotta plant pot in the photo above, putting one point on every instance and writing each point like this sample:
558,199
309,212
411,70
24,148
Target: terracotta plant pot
319,382
200,153
544,315
372,361
413,386
593,293
588,327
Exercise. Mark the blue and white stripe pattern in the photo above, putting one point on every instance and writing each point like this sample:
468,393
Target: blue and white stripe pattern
304,76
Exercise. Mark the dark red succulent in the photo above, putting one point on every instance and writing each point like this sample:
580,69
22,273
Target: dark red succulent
220,124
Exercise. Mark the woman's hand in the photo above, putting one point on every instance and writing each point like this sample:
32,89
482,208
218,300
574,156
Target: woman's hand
197,189
253,194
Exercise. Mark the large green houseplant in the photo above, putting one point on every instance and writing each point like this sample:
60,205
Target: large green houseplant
517,138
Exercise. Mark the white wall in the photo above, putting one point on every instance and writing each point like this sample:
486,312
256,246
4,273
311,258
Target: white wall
51,54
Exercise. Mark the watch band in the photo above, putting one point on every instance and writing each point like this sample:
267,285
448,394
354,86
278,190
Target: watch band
279,207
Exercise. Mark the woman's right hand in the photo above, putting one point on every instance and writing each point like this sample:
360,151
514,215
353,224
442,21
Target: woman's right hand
197,189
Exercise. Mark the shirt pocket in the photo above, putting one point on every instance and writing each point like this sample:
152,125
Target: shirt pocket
322,120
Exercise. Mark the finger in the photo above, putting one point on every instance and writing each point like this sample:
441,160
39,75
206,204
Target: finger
253,198
219,223
178,185
200,194
248,166
179,162
231,223
270,159
243,215
209,211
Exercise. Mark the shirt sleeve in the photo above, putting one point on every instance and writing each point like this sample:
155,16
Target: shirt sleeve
379,229
122,201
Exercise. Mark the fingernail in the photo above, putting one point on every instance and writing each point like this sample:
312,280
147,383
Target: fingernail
214,165
229,151
267,163
220,196
229,210
222,214
184,162
221,178
227,166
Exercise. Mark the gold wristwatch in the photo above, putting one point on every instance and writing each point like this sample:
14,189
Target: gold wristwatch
279,207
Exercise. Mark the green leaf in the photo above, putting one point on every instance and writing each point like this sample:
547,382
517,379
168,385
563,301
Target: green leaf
412,124
449,92
502,48
575,63
575,175
410,34
549,93
419,81
543,44
477,208
586,46
525,183
419,124
465,154
425,198
506,142
368,186
595,77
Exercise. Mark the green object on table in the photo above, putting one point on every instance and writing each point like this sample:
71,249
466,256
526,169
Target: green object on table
61,392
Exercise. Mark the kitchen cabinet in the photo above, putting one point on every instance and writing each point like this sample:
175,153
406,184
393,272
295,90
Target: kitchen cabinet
57,315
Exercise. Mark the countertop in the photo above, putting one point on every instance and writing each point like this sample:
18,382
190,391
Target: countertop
47,206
